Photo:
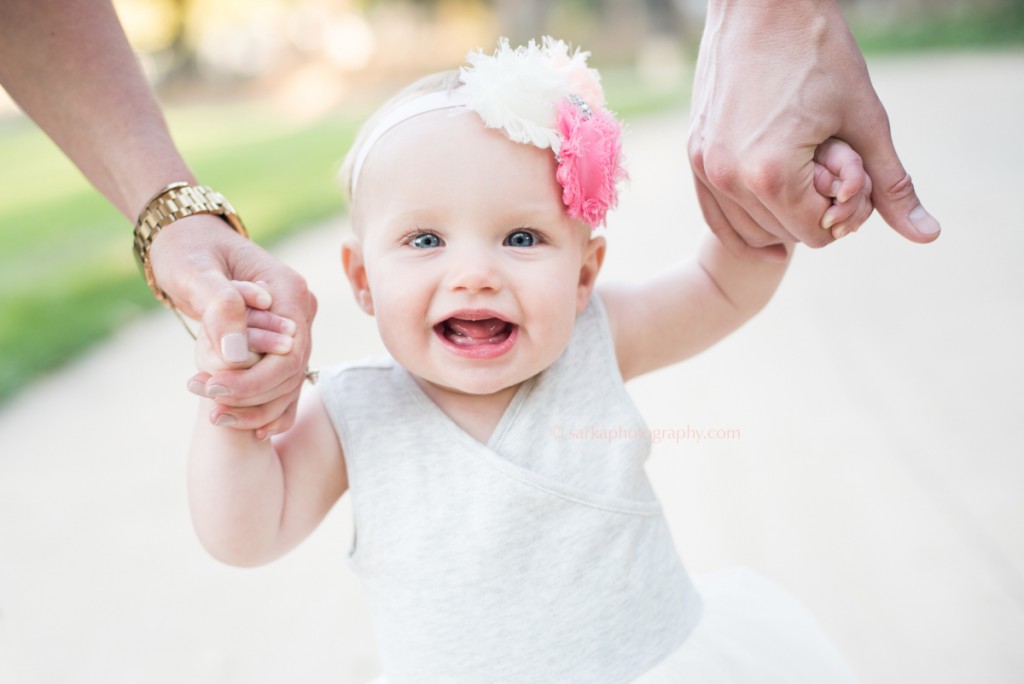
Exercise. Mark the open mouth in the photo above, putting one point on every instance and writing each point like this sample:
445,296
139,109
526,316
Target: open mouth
480,337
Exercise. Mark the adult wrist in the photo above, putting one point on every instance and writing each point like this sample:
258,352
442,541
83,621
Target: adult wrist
175,202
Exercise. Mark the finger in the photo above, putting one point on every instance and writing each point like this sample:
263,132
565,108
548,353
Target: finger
783,191
252,417
270,321
893,196
281,424
209,360
267,342
844,164
850,215
273,376
839,213
825,182
741,208
860,214
253,294
225,318
197,384
724,231
749,230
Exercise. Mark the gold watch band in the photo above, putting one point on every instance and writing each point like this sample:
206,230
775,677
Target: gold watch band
177,201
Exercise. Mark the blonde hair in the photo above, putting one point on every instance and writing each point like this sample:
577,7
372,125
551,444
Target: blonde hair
441,81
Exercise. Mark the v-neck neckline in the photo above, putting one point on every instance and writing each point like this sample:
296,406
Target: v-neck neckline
500,428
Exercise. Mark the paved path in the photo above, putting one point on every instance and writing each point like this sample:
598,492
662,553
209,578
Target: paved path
877,473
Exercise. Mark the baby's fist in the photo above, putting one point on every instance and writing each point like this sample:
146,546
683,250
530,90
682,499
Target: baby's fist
839,174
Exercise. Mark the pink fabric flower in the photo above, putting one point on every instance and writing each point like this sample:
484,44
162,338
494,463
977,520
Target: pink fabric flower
589,164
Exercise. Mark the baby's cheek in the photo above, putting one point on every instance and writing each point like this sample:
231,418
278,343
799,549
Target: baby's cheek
558,322
401,320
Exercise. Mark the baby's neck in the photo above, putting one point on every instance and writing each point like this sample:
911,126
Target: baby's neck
476,414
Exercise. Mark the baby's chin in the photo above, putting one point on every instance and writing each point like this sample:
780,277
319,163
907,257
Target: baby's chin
481,384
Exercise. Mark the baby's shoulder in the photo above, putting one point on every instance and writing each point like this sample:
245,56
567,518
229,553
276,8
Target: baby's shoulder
365,386
355,371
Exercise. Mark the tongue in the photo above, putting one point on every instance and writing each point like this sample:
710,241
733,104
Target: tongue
482,331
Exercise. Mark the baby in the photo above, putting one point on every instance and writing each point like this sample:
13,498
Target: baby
492,551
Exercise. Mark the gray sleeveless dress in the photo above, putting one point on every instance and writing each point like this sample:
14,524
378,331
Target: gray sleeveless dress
541,556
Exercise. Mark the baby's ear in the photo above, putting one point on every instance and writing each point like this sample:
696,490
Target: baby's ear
593,257
355,269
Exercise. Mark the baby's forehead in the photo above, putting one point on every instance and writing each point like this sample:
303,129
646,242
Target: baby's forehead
445,169
437,130
437,149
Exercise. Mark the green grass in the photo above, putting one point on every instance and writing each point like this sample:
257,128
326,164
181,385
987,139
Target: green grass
959,28
67,277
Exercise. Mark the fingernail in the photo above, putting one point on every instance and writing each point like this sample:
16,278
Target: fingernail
217,391
196,387
225,420
234,347
284,346
828,219
923,222
839,232
836,184
289,327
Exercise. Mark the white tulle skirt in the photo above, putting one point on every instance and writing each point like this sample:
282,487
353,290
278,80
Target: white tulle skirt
751,631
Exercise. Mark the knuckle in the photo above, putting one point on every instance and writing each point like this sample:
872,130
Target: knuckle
764,177
901,189
721,174
227,300
695,152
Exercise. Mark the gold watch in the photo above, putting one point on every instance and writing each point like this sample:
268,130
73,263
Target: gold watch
177,201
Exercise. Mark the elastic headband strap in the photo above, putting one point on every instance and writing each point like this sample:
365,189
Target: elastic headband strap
430,102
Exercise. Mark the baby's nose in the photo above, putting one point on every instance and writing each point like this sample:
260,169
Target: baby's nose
474,272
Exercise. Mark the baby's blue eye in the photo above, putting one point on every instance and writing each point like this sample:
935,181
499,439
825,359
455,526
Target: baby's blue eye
521,238
426,241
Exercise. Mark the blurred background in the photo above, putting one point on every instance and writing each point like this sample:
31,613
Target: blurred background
263,97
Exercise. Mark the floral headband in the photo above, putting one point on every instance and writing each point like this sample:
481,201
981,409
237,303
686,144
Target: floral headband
540,96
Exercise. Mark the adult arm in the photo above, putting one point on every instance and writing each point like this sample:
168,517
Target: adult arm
68,65
773,81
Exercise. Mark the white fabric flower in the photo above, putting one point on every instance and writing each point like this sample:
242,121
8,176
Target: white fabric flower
518,91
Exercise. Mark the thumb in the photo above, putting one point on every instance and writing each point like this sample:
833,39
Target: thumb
893,192
223,313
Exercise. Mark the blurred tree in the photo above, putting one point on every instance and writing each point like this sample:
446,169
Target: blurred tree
183,63
522,20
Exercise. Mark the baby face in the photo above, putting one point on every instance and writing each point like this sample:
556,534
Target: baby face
465,253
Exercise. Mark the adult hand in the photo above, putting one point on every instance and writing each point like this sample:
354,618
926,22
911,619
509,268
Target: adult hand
194,261
774,81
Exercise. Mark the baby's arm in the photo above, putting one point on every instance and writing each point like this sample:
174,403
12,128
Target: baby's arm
672,316
252,500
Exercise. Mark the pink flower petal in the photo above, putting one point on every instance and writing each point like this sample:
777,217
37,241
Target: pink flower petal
589,162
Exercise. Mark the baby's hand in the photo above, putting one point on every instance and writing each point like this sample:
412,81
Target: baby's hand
267,333
839,173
